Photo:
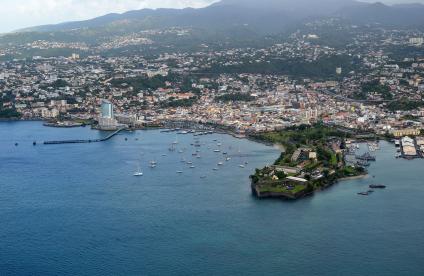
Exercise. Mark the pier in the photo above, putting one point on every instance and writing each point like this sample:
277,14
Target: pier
60,142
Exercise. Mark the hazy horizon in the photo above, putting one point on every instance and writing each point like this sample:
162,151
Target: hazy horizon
18,14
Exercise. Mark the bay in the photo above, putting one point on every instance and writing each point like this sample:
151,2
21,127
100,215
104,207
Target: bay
78,210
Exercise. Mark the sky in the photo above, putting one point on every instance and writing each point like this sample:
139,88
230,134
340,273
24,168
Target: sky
17,14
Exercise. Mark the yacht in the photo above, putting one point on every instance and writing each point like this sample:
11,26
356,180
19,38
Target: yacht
138,172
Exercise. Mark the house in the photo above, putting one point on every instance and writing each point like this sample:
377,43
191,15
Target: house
301,154
296,180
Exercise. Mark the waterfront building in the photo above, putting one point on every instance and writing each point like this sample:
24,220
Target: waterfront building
406,132
107,119
107,109
416,40
408,146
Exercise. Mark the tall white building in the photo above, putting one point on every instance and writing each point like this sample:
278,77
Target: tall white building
416,40
107,109
107,119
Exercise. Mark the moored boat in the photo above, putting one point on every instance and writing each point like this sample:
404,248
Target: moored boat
375,186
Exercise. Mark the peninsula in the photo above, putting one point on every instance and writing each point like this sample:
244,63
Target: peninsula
313,159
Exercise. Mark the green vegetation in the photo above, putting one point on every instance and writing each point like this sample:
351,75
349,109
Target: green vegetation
234,97
320,69
141,83
179,103
374,87
303,134
184,83
313,152
9,113
405,104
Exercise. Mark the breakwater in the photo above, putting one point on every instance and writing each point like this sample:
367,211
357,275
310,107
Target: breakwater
59,142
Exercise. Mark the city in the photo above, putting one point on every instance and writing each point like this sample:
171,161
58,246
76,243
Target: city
204,137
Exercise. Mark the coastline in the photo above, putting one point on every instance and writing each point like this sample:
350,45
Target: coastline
362,176
329,182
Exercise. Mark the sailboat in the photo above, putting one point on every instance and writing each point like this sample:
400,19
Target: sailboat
138,172
176,141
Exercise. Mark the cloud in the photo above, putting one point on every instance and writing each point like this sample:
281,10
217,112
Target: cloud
15,14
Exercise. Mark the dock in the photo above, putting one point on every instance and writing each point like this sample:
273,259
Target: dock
61,142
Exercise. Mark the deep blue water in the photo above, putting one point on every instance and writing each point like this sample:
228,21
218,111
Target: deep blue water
77,210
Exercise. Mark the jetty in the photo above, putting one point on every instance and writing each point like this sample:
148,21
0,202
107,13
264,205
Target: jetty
110,136
366,157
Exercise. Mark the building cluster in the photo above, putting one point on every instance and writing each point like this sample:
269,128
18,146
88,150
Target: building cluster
383,92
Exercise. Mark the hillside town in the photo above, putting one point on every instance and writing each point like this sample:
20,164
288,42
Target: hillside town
366,85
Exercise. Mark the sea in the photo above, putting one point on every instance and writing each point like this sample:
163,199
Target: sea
78,209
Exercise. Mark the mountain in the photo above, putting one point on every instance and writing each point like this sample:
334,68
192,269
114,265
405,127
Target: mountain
234,18
266,16
401,15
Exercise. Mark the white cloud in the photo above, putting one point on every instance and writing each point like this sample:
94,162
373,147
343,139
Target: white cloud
16,14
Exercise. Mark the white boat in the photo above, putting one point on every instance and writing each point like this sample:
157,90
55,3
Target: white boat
217,150
242,166
176,141
192,167
228,159
220,164
138,172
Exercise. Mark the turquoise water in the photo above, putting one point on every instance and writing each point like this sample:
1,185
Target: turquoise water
77,209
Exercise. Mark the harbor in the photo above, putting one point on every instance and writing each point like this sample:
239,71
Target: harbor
410,148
